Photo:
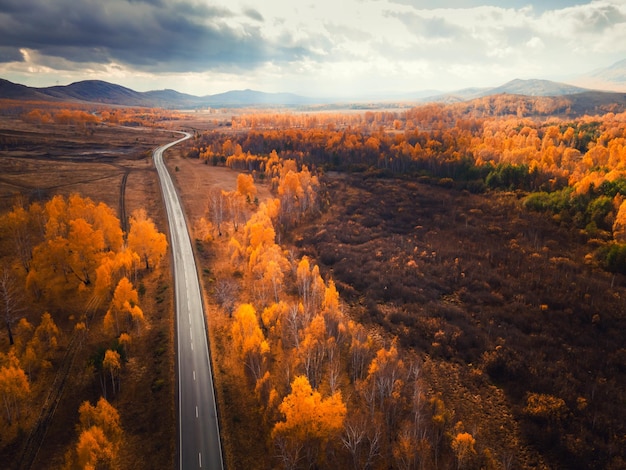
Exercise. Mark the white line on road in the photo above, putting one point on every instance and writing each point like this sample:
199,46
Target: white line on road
196,411
200,459
194,375
191,345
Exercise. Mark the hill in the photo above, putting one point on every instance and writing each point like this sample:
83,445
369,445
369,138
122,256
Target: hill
610,78
534,88
580,100
97,91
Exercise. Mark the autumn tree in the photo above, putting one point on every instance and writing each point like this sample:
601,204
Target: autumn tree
25,227
463,448
78,236
124,311
246,187
112,364
14,386
145,240
10,301
249,341
313,349
100,435
619,226
311,422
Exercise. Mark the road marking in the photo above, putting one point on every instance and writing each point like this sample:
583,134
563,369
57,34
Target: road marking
190,334
200,459
196,411
194,375
191,345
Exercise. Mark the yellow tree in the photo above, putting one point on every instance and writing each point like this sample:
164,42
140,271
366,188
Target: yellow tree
619,226
313,349
249,341
123,310
94,450
113,364
311,422
245,186
100,435
463,448
145,240
14,386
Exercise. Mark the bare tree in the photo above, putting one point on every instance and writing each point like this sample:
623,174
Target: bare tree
218,207
225,291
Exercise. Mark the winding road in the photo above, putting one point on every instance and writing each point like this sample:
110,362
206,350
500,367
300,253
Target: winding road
199,444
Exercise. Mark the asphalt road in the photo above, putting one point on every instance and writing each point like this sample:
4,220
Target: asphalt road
199,445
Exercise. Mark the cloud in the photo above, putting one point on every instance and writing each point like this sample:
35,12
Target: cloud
254,14
158,35
283,45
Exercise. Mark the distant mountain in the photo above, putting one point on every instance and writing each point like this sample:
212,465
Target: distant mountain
14,91
250,98
97,91
611,78
172,99
535,88
531,87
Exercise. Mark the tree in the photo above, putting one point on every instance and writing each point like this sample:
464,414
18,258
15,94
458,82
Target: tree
249,341
313,349
311,422
463,447
47,332
93,449
619,226
10,306
14,387
217,207
123,310
245,186
112,363
145,240
100,435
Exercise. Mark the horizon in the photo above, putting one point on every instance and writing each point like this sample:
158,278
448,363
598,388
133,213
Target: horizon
418,95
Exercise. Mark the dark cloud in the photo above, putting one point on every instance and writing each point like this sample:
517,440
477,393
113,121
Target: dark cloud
254,14
155,35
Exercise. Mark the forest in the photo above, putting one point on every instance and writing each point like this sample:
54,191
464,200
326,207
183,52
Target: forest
435,287
452,289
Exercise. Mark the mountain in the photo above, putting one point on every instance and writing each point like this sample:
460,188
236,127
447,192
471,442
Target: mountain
531,87
14,91
535,88
97,91
250,97
610,78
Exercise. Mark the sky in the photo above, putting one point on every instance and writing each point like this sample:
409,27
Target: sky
320,48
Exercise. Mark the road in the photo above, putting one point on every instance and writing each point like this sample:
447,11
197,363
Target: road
199,444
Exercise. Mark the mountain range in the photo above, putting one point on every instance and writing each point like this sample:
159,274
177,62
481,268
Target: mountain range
96,91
